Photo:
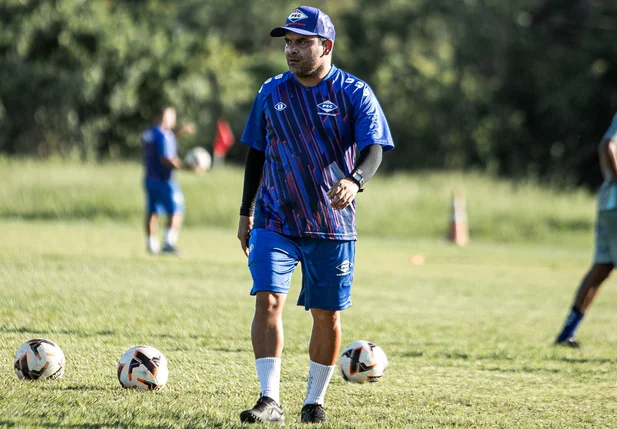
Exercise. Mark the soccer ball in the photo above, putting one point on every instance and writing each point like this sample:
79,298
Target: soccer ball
143,367
39,359
362,361
198,158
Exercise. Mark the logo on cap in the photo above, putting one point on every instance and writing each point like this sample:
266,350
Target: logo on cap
296,15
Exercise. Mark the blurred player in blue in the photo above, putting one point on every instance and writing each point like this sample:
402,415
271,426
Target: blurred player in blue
605,256
316,136
163,193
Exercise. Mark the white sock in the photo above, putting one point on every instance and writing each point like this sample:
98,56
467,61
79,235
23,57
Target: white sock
318,380
269,373
171,237
153,244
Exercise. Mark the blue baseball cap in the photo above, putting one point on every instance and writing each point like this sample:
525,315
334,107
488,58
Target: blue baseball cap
308,21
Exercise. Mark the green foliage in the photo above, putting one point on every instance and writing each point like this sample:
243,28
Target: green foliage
401,205
518,88
468,334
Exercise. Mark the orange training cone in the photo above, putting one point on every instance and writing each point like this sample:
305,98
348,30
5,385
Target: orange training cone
459,229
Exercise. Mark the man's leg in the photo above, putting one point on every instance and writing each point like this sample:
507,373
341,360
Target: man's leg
152,240
174,205
267,338
584,297
272,261
174,223
327,270
323,352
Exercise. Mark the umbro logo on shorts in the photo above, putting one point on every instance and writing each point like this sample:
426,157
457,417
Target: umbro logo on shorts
344,268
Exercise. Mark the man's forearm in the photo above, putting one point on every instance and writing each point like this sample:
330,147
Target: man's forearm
253,173
368,163
608,151
171,163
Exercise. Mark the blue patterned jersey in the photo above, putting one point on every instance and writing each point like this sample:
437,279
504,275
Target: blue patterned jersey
310,136
157,142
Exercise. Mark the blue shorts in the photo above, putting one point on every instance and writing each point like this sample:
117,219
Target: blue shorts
163,198
327,268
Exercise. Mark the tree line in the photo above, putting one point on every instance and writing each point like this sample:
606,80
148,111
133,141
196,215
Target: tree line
523,88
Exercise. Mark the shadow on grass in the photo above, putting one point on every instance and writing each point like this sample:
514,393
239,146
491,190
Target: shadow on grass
568,359
522,370
206,423
80,333
81,388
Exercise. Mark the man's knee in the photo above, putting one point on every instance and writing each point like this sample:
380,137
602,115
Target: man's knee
326,317
269,303
600,272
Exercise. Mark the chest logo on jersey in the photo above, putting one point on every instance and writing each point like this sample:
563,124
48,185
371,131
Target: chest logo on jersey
280,106
296,15
327,108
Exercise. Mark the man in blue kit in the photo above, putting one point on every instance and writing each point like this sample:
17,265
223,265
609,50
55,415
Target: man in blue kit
163,193
605,255
301,178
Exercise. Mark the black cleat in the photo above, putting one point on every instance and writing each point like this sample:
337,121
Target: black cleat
313,413
570,342
266,410
170,250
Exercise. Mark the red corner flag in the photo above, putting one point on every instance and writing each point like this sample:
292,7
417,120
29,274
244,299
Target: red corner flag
223,140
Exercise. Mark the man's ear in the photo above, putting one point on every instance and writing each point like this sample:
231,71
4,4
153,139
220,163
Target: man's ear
327,46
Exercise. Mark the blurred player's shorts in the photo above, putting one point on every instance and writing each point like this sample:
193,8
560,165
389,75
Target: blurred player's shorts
164,197
606,238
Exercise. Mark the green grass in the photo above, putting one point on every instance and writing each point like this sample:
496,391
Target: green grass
414,206
468,333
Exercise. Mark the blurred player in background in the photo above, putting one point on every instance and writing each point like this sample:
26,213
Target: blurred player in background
606,238
298,203
163,193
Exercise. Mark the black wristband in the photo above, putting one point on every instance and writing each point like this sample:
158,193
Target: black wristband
247,211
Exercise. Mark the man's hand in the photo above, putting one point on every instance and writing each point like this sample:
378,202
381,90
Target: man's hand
186,129
342,194
245,225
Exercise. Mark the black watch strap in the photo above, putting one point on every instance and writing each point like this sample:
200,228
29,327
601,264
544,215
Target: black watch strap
357,177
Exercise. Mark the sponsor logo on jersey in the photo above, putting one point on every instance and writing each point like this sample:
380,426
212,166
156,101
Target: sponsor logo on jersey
280,106
327,107
296,15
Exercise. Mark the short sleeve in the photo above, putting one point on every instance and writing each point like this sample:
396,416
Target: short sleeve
166,146
255,131
370,124
611,133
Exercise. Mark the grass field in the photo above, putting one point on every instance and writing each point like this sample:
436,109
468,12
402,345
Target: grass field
468,333
399,205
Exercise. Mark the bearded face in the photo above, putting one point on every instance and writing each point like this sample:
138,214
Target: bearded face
306,55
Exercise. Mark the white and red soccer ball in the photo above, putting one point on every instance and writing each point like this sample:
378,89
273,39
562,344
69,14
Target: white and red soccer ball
39,359
362,361
143,367
198,158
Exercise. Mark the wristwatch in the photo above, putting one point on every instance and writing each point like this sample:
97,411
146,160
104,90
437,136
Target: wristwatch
357,177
